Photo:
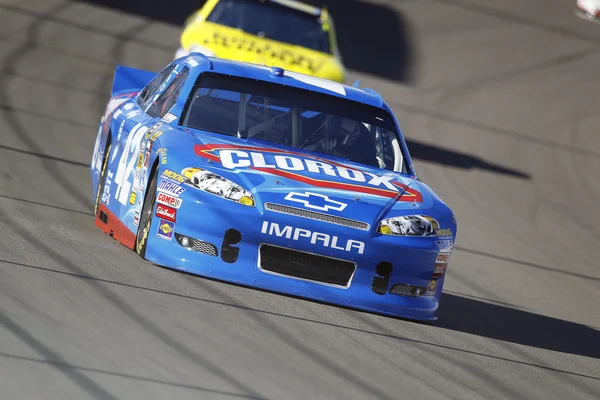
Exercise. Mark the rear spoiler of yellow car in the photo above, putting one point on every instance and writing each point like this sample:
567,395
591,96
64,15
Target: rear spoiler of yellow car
128,79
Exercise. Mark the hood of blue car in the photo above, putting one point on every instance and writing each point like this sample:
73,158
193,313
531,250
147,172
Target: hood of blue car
281,176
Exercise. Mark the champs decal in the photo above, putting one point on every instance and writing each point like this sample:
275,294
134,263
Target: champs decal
295,166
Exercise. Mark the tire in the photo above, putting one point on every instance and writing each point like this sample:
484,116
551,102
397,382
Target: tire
141,239
102,180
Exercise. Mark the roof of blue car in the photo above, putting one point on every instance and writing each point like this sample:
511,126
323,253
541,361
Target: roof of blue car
302,81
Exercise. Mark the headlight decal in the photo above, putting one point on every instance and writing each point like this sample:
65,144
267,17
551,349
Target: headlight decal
409,225
215,184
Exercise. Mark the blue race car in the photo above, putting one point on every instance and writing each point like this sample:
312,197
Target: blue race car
270,179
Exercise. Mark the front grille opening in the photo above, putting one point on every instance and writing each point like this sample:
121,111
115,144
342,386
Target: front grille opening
196,245
308,266
408,290
300,212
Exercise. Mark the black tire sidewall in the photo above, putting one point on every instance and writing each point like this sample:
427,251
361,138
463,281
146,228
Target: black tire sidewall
141,240
102,180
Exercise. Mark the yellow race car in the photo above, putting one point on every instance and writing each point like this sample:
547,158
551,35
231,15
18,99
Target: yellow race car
284,33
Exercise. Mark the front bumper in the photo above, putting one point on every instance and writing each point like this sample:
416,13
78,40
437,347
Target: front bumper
230,235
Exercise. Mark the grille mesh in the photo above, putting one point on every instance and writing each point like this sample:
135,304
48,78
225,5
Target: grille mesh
197,245
408,290
204,247
318,216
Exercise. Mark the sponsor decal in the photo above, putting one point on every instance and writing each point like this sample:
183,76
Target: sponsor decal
162,152
445,245
441,263
431,287
259,47
440,269
166,212
192,62
308,169
128,106
168,118
165,229
146,159
174,176
170,188
316,201
168,200
136,218
315,238
152,129
443,232
132,197
442,258
140,160
155,135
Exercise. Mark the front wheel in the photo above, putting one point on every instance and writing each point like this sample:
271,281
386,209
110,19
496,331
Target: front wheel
146,217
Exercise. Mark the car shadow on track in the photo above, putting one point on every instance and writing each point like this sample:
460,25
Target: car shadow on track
373,38
451,158
479,318
456,313
508,324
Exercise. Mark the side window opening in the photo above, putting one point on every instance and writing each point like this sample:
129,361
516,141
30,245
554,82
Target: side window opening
148,92
169,96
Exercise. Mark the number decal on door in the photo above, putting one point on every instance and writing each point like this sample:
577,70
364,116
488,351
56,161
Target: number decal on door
127,162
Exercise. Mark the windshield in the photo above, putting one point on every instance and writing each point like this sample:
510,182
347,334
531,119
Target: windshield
272,21
294,117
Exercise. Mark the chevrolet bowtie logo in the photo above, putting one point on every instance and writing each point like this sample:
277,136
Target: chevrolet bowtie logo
316,201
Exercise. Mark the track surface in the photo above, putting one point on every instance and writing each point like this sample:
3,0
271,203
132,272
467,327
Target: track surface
502,114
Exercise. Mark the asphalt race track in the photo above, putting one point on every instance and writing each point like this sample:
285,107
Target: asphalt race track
499,100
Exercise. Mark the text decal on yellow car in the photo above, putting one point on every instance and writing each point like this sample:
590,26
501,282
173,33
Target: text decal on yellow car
252,45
